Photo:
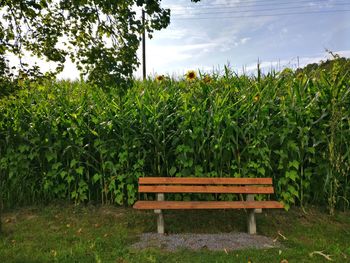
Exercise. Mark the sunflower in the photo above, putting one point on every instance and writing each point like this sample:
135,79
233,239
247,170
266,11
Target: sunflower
191,75
160,78
207,79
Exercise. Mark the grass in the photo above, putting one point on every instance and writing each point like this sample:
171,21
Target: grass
65,233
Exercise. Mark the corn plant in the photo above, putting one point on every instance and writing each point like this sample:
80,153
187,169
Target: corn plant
81,143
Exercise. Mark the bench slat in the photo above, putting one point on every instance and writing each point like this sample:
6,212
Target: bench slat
194,180
207,204
205,189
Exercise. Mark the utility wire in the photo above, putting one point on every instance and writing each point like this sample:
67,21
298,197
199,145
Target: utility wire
237,5
251,10
267,2
261,1
266,15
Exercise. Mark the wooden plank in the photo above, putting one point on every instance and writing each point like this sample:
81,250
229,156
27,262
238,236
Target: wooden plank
205,189
203,180
207,204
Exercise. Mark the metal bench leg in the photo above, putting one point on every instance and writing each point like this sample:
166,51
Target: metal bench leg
160,219
251,217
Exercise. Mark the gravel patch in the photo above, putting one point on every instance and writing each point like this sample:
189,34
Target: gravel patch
222,241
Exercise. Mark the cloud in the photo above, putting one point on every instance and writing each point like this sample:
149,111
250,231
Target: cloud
244,40
174,34
205,42
293,62
162,56
284,30
343,53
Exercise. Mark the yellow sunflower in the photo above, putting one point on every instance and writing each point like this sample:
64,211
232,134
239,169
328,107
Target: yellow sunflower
207,79
191,75
160,78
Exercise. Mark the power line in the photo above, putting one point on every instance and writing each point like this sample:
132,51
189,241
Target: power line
266,15
261,1
238,5
246,1
252,10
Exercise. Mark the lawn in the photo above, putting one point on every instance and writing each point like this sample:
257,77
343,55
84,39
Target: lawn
65,233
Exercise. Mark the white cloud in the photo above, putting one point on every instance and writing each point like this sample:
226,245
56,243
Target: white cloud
293,62
343,53
171,34
190,44
162,56
244,40
175,48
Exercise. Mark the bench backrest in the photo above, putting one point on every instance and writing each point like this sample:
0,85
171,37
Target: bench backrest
205,185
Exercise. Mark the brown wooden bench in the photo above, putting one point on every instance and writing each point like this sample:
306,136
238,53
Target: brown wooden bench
246,186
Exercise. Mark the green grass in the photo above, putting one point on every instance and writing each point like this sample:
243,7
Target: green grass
65,233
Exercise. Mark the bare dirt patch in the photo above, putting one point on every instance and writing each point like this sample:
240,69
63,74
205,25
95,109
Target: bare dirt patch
216,242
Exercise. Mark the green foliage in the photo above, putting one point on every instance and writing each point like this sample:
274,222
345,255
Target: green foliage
315,68
100,36
79,142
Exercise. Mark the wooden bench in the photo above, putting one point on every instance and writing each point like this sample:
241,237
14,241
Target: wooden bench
246,186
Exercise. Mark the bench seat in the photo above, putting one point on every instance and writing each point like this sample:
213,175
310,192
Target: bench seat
246,188
207,205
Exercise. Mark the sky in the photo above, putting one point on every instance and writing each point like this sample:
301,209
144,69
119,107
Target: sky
208,35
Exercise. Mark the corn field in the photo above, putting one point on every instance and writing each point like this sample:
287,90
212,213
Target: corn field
71,141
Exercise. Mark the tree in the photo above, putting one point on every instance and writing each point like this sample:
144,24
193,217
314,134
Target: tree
100,36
